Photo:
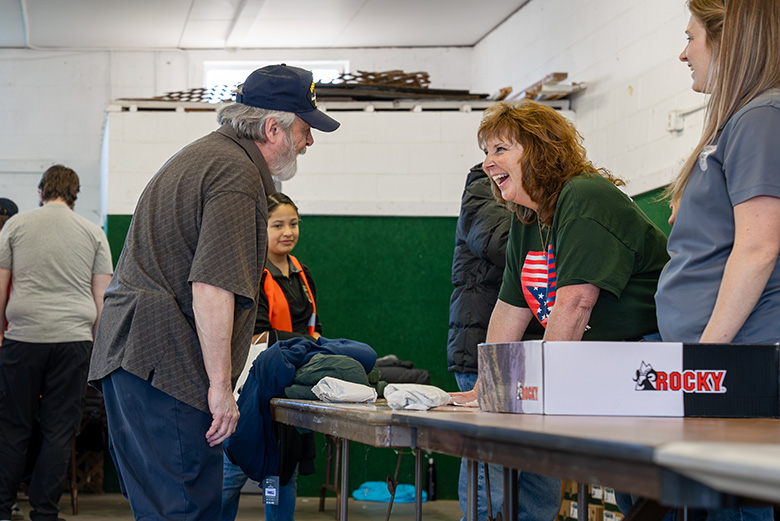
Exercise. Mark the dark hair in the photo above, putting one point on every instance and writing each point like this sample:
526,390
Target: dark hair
278,199
59,182
7,210
552,154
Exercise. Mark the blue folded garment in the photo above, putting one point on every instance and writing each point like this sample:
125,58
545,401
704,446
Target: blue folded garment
377,491
254,446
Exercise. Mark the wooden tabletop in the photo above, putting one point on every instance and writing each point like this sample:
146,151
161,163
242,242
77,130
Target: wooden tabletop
371,424
695,461
631,431
662,458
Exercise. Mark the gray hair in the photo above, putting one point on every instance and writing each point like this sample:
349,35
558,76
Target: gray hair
249,122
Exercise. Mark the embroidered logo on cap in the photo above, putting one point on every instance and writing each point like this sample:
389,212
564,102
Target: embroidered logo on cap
312,95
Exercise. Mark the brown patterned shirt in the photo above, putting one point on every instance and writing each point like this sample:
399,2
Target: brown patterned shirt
202,218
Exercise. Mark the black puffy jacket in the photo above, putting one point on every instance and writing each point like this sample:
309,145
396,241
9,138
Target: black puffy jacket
477,269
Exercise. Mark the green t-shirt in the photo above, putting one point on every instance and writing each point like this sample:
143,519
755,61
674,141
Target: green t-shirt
599,236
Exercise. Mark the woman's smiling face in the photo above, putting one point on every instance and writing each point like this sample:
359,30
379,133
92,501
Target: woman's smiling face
502,165
697,54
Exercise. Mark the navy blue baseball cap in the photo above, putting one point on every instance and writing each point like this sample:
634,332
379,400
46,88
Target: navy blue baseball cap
287,89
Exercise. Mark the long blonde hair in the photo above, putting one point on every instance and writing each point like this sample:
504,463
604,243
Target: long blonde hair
744,36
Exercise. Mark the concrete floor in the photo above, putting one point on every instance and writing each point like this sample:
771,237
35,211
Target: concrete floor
114,507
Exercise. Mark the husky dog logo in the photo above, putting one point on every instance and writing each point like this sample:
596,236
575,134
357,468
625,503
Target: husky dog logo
646,377
688,380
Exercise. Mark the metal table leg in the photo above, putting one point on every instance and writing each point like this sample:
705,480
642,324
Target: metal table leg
344,477
511,505
418,481
472,473
582,501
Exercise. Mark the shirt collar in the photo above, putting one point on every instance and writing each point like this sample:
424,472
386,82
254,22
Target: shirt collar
274,271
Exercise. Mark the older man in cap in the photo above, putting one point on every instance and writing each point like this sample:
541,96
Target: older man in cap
178,314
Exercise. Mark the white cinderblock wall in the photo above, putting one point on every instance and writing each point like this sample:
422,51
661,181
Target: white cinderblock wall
377,163
51,111
388,163
52,106
139,143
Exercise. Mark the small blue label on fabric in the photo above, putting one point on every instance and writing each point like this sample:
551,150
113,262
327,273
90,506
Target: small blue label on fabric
271,490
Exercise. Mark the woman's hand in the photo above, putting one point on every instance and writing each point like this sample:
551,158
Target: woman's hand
507,324
464,397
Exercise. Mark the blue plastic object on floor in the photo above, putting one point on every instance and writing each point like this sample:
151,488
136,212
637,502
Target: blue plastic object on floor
377,491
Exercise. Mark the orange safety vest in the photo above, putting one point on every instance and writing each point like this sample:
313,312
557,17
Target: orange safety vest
279,309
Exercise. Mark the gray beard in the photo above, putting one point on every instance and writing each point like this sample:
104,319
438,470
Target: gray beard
285,166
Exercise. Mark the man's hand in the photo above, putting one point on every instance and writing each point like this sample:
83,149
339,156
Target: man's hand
224,413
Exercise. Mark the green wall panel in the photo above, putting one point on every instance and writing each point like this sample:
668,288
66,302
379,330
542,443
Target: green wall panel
384,281
656,208
116,230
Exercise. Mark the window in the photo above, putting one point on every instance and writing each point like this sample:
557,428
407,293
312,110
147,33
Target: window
221,74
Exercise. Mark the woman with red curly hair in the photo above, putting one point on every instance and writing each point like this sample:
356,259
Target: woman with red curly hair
599,255
582,258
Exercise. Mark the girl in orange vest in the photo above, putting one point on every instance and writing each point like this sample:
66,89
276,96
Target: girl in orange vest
287,307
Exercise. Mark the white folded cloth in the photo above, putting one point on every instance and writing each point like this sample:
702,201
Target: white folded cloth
331,389
416,397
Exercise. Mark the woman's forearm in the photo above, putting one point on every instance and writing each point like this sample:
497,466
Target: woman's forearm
571,312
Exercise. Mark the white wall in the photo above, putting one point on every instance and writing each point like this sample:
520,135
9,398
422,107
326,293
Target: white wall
51,111
388,163
376,163
626,51
52,103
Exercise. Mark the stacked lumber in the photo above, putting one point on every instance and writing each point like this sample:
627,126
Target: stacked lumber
549,88
359,86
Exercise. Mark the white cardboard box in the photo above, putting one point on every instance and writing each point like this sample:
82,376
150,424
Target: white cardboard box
630,379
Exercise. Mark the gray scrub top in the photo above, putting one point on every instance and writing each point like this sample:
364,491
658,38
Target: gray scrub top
745,163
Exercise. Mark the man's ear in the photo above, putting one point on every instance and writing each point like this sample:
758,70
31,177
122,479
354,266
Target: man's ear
272,130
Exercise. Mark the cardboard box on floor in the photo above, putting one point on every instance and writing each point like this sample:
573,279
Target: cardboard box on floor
630,379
